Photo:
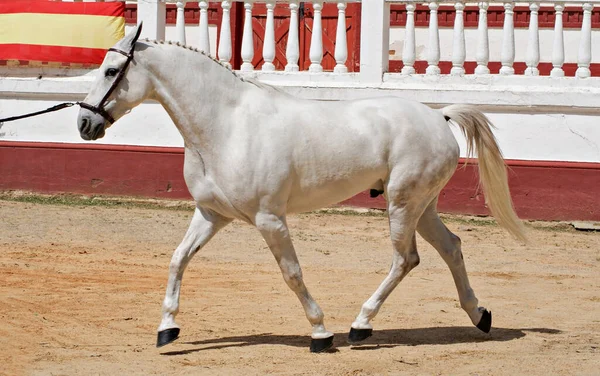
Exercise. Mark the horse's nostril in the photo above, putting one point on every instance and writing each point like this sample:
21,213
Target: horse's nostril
85,125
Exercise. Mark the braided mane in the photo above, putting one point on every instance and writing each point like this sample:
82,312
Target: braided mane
241,78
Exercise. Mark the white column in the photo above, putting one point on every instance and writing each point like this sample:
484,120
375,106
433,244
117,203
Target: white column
433,46
482,55
224,51
533,46
584,57
292,50
374,40
316,40
341,45
247,39
507,57
204,36
458,44
408,50
558,50
154,14
180,21
269,39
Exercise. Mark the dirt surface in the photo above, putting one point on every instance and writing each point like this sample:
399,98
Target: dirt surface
81,290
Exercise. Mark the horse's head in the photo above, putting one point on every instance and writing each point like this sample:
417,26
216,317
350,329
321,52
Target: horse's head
121,84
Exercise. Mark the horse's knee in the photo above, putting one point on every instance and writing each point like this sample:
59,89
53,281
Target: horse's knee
293,277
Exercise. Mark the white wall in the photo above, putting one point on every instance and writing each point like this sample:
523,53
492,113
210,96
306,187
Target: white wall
534,136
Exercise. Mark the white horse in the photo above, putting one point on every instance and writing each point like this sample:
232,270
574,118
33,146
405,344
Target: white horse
256,154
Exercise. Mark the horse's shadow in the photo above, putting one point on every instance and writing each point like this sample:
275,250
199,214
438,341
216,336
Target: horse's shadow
381,338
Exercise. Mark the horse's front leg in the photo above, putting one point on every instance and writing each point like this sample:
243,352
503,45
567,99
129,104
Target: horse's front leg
275,232
205,224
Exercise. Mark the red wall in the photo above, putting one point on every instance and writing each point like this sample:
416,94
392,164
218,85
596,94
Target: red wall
540,190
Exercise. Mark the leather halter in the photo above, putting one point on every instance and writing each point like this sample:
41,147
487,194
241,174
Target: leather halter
99,109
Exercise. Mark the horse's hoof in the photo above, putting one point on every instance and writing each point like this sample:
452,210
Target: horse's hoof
167,336
485,324
359,335
318,345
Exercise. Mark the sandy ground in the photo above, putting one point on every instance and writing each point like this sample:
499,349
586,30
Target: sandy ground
81,290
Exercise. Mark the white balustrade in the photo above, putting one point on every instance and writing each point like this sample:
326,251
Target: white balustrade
408,51
507,57
180,21
483,48
203,26
433,48
585,45
341,46
247,39
292,51
269,40
458,46
316,39
558,49
224,51
533,42
375,36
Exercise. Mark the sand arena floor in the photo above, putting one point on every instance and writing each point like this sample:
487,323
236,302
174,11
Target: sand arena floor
81,289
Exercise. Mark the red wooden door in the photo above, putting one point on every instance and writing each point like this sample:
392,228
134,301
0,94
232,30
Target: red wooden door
329,18
282,22
282,25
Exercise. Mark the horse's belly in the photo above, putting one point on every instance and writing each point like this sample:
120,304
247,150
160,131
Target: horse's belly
308,198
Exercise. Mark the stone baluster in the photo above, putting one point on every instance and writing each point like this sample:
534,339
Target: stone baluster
584,58
507,56
247,39
180,21
292,51
433,47
316,39
482,56
408,51
341,45
225,37
533,46
269,40
203,26
458,44
558,50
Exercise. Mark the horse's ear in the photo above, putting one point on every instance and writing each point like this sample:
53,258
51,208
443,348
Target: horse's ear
138,31
129,40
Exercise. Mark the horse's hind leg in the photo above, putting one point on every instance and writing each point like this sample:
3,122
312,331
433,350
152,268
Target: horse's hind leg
403,219
205,224
275,232
447,244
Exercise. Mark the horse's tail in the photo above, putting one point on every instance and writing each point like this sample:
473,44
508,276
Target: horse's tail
477,129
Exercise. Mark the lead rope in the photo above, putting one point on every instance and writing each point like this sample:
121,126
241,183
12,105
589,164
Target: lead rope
51,109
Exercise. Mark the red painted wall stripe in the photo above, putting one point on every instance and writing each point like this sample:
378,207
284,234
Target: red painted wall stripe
113,9
540,189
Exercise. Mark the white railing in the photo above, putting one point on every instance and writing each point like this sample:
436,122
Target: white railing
375,36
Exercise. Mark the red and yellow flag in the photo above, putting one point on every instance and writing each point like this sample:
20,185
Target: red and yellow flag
59,32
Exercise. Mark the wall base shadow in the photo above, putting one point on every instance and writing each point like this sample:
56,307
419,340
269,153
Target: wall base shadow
387,338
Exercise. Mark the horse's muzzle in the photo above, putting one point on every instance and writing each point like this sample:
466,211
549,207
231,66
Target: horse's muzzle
91,125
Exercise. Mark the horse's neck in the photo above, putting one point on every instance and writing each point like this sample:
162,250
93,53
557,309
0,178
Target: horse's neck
198,94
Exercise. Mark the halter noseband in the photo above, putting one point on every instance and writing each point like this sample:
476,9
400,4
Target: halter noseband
99,109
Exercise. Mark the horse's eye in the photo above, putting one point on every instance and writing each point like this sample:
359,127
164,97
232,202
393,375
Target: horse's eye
111,72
